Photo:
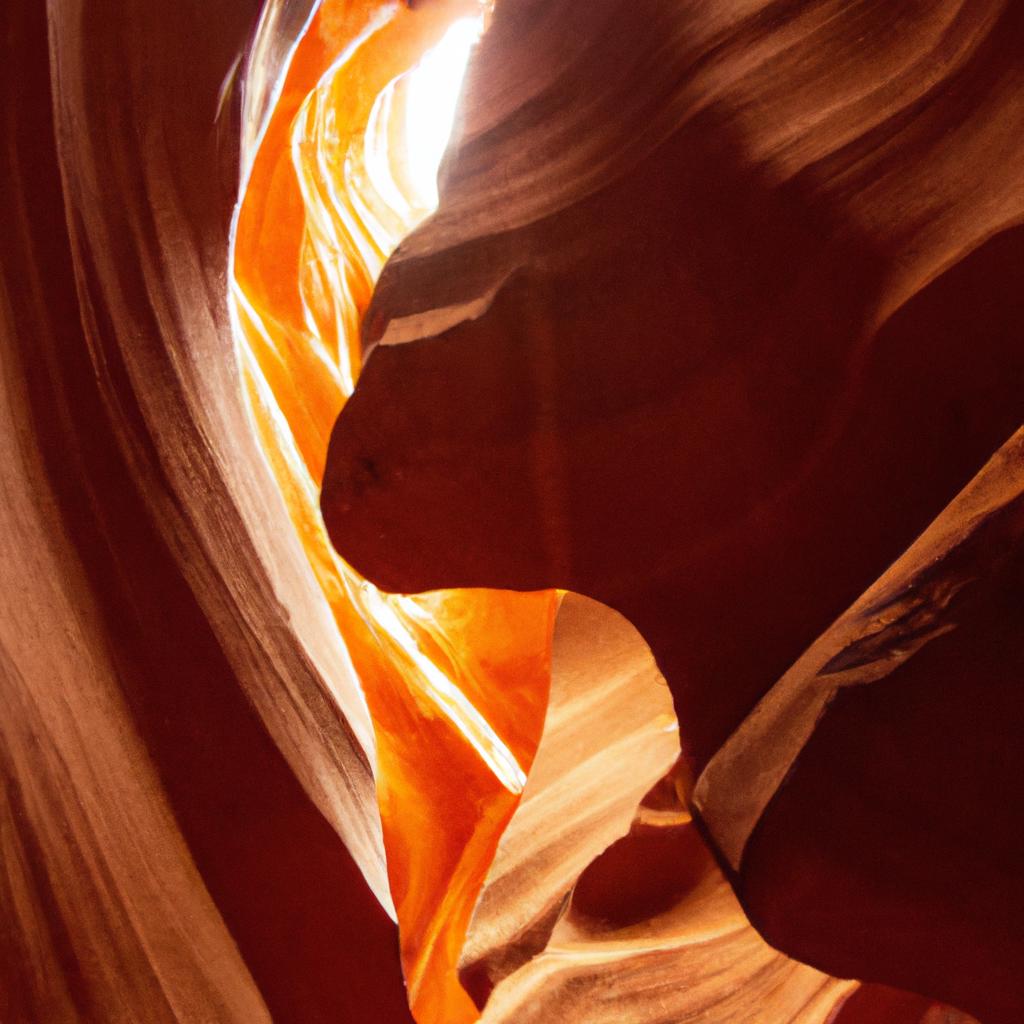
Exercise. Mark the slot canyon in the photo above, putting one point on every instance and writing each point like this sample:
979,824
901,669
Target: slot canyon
513,512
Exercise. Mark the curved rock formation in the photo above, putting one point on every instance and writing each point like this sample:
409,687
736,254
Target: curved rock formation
175,754
719,311
716,322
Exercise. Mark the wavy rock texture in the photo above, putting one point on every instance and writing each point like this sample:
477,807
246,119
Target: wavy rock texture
667,233
183,738
603,903
457,682
607,706
938,638
330,193
719,310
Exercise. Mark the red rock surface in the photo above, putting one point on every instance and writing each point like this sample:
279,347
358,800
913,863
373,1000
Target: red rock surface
718,323
152,832
719,311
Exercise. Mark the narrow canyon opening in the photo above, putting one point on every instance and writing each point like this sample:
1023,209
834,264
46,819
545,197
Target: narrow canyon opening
525,746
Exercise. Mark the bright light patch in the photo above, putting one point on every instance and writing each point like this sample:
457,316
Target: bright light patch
433,89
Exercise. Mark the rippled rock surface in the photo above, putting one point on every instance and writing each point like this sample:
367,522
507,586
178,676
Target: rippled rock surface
656,654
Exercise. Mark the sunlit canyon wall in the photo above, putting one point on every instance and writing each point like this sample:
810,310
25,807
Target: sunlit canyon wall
658,657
